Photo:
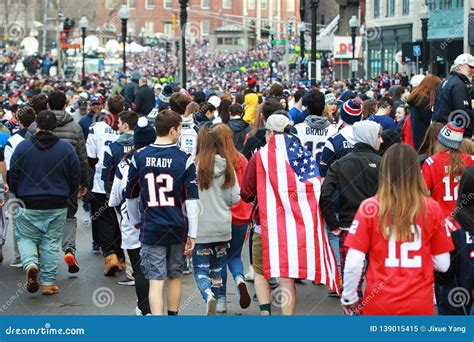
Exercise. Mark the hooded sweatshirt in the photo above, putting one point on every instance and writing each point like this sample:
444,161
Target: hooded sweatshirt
240,129
215,219
251,103
314,132
366,132
71,131
113,155
44,172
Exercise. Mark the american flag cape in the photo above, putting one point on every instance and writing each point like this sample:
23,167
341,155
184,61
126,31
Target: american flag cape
294,241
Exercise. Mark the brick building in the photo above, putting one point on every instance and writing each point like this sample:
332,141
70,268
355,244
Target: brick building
161,17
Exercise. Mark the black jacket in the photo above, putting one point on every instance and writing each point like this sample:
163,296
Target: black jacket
454,94
240,129
420,118
355,176
254,143
129,92
145,100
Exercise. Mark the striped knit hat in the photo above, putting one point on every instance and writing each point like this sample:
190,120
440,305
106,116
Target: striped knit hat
451,136
351,111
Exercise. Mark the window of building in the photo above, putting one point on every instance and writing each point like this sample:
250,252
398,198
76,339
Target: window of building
446,4
220,41
264,4
229,41
168,4
150,4
205,28
131,27
149,28
167,29
376,8
375,62
251,4
390,8
406,7
132,4
204,4
290,5
431,4
227,4
109,4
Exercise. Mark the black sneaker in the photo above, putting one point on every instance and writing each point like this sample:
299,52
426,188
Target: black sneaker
1,254
95,248
127,282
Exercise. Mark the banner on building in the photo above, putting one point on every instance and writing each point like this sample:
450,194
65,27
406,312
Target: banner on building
342,47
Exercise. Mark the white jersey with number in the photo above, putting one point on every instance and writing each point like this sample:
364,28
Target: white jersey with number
314,139
100,135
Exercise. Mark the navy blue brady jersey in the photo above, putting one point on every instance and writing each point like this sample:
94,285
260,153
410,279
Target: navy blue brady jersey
113,155
164,177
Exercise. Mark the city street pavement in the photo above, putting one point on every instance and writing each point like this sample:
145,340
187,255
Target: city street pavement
89,292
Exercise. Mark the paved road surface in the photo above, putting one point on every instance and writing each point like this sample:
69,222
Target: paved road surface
90,293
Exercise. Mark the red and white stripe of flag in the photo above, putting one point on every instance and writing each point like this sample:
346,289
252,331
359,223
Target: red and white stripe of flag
294,241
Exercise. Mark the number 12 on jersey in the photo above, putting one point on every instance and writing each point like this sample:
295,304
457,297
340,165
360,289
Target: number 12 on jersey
165,185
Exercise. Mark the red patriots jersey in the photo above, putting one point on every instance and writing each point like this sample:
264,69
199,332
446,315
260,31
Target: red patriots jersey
399,278
443,186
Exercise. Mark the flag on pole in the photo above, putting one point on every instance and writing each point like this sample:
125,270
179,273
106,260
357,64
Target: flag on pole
294,241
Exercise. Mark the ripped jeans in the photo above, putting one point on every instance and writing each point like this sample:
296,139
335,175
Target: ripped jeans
208,260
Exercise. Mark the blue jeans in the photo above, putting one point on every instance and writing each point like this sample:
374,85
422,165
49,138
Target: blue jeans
334,241
43,229
208,260
232,259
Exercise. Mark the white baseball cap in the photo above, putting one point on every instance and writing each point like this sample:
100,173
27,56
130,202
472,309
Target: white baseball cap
465,58
416,80
277,123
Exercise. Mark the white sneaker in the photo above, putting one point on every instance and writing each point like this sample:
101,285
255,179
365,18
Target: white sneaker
138,312
211,306
250,275
221,305
16,263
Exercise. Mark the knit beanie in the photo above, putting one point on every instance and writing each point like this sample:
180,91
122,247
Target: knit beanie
366,132
351,111
451,136
144,134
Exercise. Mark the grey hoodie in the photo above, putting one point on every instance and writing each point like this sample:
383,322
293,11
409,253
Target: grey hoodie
366,132
215,218
317,122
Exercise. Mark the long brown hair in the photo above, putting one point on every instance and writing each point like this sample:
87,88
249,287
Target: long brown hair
456,163
208,146
258,120
428,146
401,193
426,89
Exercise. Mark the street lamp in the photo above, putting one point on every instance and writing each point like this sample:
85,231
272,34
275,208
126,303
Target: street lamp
353,24
83,23
302,32
142,36
183,19
424,17
124,14
314,25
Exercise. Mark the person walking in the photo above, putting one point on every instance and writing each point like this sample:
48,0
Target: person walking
44,174
402,232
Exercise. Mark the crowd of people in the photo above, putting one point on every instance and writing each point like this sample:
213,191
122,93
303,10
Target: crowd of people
366,188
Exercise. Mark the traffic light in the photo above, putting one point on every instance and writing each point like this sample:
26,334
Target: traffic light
69,24
168,47
174,22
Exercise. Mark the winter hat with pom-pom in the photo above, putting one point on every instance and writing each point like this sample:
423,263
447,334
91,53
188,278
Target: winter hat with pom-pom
144,133
351,111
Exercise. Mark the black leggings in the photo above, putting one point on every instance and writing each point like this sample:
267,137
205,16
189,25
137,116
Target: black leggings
142,285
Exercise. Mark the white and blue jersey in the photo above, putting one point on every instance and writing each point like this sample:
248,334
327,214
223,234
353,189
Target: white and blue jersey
164,177
335,148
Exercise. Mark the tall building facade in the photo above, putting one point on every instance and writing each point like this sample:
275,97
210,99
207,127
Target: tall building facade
161,17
